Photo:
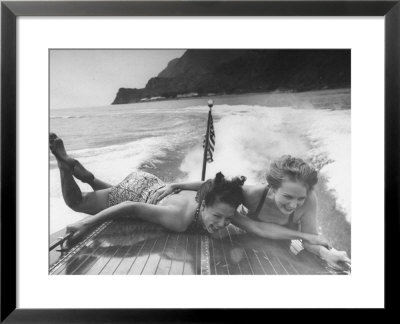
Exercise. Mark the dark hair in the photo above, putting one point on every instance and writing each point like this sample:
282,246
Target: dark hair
219,188
293,168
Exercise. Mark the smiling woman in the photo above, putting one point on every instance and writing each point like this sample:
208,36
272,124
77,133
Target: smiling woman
284,209
211,209
221,214
290,181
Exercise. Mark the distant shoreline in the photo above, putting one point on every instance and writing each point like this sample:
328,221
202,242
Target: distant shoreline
211,97
234,94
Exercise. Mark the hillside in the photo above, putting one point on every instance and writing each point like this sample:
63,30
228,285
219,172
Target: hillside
204,72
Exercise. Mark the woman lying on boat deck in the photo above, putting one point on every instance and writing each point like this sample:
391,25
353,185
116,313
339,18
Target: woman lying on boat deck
211,209
285,208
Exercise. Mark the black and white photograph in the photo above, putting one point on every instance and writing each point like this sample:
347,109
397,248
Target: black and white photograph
199,161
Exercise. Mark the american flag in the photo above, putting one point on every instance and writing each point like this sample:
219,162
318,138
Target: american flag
211,141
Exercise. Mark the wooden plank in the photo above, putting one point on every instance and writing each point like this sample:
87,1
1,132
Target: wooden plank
282,253
305,262
115,261
301,268
134,235
88,262
245,264
287,265
70,265
239,252
213,259
164,265
167,239
269,253
101,261
217,258
178,259
255,262
265,261
232,260
153,261
128,247
248,260
189,255
60,265
190,266
129,258
120,246
205,255
54,255
103,254
142,257
310,264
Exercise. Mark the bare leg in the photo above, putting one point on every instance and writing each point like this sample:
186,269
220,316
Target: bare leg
90,202
90,179
98,184
78,170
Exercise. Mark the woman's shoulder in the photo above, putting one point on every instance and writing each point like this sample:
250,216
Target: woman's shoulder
254,190
309,206
253,194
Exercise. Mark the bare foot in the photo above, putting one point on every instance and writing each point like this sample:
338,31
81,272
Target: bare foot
56,145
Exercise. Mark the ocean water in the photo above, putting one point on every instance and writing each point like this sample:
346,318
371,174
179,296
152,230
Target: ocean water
165,138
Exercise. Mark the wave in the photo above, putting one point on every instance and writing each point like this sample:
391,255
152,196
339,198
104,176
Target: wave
329,137
248,138
67,117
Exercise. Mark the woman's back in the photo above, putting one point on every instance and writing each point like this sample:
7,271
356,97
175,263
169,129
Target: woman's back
184,202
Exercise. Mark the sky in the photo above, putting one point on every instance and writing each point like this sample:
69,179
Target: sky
90,78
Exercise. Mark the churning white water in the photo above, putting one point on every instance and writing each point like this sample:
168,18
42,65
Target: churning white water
251,130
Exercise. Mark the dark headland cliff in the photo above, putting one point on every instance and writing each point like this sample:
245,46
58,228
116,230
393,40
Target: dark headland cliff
206,72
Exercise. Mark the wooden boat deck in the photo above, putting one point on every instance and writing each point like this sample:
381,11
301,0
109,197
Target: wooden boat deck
140,248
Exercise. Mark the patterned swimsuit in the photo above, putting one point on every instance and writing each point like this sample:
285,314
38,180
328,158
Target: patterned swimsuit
138,186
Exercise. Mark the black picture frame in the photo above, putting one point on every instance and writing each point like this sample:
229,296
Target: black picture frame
11,10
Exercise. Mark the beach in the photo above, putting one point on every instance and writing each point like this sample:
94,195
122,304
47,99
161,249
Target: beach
165,138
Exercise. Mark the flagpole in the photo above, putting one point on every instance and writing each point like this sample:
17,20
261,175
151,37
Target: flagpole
203,173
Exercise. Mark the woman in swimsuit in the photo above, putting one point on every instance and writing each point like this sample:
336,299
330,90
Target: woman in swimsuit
286,208
211,209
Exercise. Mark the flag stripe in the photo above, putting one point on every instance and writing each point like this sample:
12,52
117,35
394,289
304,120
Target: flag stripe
211,142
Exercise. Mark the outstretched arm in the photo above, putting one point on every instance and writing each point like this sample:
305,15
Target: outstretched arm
275,231
333,257
174,188
166,216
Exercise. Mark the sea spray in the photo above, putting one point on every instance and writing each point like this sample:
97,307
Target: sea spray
166,138
246,142
249,138
329,136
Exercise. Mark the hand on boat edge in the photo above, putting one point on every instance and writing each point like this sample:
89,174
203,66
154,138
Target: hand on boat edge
337,260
